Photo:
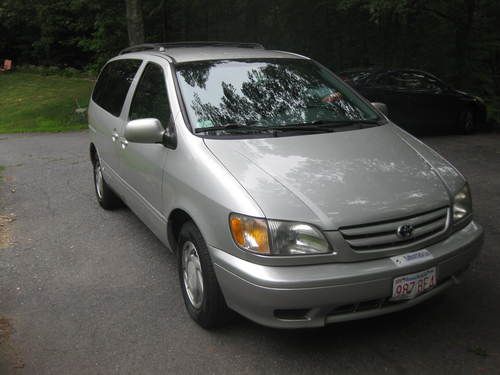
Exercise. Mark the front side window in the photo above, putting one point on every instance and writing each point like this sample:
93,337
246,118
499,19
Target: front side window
150,97
269,92
113,84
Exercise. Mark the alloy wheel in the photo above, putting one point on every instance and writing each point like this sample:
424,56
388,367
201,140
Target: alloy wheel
192,274
99,181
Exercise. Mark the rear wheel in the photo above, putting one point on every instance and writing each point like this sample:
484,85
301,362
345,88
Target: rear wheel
105,196
466,122
200,289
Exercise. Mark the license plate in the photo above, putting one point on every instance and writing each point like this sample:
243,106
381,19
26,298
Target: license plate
410,286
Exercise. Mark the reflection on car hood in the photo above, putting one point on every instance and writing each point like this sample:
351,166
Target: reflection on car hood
334,179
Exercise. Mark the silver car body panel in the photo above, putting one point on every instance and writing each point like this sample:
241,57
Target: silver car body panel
331,180
188,54
340,179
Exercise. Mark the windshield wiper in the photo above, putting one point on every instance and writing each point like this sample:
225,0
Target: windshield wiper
316,126
327,124
229,126
284,128
298,127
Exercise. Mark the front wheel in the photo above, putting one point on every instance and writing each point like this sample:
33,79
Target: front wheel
105,196
200,289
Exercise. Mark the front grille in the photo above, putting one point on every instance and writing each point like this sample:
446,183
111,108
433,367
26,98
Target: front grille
383,235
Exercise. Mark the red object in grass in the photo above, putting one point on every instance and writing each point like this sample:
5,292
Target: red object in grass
7,65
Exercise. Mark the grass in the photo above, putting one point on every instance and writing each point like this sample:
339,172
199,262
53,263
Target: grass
36,103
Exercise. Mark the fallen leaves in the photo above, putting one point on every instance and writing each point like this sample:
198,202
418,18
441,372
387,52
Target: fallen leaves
5,234
7,351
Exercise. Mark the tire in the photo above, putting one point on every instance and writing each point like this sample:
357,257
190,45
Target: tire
466,122
105,196
201,292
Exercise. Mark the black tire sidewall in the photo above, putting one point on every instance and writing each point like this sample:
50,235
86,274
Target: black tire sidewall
213,308
109,199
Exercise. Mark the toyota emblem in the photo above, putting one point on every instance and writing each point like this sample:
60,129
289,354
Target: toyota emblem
405,231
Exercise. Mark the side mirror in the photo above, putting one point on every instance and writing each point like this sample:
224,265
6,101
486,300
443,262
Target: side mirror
381,107
145,130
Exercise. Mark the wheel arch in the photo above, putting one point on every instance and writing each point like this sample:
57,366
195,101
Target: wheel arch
176,219
93,153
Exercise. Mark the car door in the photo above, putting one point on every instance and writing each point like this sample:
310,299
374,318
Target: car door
427,104
142,165
386,88
410,87
435,103
105,112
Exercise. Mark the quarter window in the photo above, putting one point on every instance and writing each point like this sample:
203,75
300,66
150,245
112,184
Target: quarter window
151,98
113,84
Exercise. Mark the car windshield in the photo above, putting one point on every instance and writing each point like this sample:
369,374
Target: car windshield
268,93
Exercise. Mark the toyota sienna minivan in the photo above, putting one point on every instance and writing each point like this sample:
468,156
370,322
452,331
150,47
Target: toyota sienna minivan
285,195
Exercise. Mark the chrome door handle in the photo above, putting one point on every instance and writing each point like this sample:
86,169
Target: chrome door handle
124,143
114,136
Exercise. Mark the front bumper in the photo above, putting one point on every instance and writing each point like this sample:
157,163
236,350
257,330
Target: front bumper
315,295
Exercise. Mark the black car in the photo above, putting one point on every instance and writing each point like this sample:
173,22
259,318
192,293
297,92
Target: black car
419,101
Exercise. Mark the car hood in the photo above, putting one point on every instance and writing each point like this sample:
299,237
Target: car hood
336,179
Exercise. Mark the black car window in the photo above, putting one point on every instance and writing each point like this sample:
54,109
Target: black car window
430,83
409,81
362,78
113,84
151,98
386,80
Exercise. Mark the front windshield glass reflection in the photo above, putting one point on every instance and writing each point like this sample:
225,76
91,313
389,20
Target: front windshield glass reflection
273,92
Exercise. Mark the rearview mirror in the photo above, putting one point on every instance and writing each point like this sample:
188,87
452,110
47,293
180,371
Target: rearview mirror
145,130
381,107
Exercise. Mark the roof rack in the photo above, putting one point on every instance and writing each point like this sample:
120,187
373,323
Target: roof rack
162,47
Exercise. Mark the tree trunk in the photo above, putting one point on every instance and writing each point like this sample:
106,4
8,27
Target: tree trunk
463,42
135,22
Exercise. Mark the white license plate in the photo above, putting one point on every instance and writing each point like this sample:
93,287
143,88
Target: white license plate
410,286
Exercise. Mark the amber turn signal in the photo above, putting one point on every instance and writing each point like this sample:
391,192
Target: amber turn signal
250,233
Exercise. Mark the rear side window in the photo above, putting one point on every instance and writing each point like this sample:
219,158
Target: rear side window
150,97
113,84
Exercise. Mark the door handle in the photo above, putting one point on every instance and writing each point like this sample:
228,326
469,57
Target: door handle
123,142
114,136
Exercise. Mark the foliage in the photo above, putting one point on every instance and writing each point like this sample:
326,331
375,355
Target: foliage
458,40
36,103
74,33
54,70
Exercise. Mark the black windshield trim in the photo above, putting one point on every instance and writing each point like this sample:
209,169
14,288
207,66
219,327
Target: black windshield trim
315,126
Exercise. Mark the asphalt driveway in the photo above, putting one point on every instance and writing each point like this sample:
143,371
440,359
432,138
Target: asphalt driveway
86,291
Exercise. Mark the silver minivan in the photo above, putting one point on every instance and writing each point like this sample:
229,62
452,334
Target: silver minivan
285,195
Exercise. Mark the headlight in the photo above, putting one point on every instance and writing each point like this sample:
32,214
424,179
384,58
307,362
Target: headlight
462,204
289,238
272,237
